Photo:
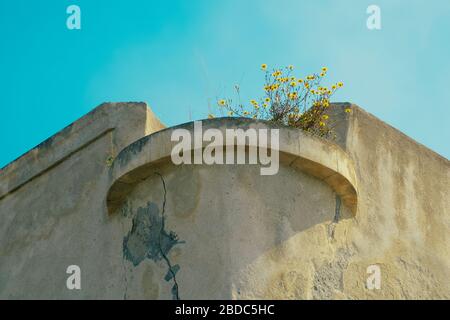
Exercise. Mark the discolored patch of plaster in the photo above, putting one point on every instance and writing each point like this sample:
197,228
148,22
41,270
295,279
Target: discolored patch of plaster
287,285
148,238
129,152
337,217
185,193
149,283
328,278
126,210
143,239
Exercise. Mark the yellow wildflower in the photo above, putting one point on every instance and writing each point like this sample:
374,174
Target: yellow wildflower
277,73
293,84
210,116
222,102
325,117
348,110
264,66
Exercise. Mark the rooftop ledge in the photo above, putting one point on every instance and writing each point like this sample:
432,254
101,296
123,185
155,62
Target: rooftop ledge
318,157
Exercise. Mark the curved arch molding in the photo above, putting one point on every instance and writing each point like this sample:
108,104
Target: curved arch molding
320,158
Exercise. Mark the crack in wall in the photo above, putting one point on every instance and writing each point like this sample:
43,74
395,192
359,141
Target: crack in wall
337,216
172,270
148,238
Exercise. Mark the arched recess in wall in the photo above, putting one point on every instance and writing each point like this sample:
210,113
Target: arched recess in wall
315,156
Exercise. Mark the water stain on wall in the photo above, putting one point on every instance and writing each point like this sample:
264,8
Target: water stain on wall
185,192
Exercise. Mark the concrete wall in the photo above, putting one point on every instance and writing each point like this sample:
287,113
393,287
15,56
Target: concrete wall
53,212
141,227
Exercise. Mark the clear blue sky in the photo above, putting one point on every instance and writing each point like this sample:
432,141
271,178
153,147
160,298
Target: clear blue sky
181,55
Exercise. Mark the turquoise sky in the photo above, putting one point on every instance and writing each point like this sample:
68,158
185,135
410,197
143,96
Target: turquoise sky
180,55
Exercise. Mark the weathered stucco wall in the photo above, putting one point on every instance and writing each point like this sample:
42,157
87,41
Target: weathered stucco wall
403,220
224,231
53,213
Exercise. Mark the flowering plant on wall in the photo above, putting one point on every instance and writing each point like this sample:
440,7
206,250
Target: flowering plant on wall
287,100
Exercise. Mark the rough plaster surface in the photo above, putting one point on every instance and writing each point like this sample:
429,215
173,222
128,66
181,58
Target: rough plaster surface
224,231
